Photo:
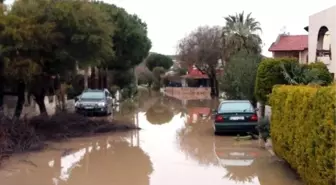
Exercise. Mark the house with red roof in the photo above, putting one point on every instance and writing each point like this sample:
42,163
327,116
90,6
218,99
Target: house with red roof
291,46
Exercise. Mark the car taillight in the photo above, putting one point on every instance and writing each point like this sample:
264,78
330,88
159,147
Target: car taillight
219,118
254,117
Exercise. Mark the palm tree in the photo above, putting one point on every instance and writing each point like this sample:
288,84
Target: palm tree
241,32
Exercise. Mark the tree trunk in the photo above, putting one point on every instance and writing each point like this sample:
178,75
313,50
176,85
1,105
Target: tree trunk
93,79
214,86
2,83
39,98
106,78
21,99
262,109
86,77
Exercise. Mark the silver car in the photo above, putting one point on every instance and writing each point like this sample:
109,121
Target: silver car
93,101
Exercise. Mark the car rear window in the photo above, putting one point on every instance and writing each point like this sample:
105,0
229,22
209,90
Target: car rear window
93,95
235,107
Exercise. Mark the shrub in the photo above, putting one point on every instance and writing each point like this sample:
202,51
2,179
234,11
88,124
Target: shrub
303,74
269,73
323,71
303,130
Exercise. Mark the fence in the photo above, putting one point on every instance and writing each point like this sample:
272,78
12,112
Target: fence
188,93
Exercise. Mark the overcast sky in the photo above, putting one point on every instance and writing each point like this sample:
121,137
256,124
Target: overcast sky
170,20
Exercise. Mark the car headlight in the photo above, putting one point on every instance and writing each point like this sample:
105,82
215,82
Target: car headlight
76,104
101,104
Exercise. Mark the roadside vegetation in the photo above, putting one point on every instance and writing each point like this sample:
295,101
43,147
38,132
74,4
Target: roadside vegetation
302,122
301,96
60,48
303,130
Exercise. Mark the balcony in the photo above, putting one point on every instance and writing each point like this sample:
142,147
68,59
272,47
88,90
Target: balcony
323,56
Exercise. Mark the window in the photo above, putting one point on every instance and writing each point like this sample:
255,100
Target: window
93,95
235,107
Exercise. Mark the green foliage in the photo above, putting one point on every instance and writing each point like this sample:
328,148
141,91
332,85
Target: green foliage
145,77
157,73
84,33
314,73
322,73
158,60
303,130
269,73
76,86
239,75
241,32
130,41
122,79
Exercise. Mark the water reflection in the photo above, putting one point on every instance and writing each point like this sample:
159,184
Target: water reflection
100,161
159,113
241,162
175,146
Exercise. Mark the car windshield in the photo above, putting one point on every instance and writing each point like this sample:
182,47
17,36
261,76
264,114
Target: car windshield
93,95
235,107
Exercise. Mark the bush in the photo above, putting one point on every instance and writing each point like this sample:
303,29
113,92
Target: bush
238,79
303,130
323,71
269,73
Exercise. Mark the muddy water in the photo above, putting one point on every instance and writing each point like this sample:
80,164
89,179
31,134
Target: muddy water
175,146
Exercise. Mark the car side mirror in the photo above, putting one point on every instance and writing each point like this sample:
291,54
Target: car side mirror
76,98
214,111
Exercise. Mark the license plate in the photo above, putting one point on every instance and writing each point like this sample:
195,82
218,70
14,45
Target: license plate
88,107
235,118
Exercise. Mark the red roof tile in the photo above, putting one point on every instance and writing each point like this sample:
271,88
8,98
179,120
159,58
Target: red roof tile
290,43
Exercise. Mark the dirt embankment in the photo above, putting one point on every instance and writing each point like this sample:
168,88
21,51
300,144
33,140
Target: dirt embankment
28,135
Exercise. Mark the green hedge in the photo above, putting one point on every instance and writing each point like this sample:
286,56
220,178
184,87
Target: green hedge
303,130
269,74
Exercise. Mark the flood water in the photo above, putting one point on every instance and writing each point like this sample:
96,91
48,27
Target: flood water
176,146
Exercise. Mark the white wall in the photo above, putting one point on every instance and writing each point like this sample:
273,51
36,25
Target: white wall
324,18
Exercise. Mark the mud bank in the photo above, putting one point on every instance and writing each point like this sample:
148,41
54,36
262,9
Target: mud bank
17,136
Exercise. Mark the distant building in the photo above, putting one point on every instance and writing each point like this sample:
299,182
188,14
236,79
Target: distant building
291,46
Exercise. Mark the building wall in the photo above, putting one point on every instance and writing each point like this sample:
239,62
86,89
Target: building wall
280,54
303,57
324,18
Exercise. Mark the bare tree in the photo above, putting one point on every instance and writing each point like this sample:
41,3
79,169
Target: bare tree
203,48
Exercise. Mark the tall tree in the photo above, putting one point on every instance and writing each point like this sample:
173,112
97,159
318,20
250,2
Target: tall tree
131,43
158,60
60,34
239,76
241,32
203,48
